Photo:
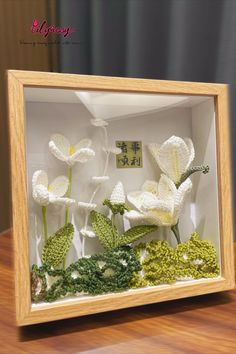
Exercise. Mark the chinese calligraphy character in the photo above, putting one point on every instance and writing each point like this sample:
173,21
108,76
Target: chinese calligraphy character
131,154
123,146
135,146
124,160
135,161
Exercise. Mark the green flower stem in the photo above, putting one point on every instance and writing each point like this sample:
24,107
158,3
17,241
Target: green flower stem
204,169
45,227
67,208
175,229
113,228
68,193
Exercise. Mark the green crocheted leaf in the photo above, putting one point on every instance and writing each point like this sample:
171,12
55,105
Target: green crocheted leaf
103,229
58,245
135,233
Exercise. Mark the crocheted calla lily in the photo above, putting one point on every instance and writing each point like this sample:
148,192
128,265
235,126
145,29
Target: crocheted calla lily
61,148
174,156
116,203
161,205
45,193
118,194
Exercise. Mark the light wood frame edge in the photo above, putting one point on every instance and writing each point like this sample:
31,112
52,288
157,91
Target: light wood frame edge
17,80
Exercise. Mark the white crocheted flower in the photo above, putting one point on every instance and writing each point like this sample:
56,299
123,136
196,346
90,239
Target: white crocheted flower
87,206
118,194
60,147
44,193
174,156
161,206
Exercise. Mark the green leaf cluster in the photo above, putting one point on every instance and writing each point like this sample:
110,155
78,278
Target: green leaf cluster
57,246
108,234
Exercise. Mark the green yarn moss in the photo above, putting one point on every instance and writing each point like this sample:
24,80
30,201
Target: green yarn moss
196,258
103,273
162,264
57,246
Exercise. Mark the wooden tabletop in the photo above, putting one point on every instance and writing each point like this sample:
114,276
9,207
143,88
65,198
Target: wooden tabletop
205,324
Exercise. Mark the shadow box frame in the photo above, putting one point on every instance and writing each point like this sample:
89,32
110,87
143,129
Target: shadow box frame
17,81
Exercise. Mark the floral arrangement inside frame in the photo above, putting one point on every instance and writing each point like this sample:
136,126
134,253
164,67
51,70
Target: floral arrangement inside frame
126,261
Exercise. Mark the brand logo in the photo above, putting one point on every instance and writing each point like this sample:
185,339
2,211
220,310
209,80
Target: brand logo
43,29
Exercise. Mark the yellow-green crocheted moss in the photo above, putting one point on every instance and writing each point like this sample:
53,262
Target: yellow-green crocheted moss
196,258
162,264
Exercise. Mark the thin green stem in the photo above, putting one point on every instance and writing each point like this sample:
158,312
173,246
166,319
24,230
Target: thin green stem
113,229
203,168
67,209
175,230
68,193
45,227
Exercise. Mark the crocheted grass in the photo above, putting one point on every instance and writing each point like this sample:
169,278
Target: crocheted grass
162,264
103,273
57,246
106,230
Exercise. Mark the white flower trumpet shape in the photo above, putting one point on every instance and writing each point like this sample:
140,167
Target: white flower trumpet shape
44,193
174,156
61,148
158,204
118,194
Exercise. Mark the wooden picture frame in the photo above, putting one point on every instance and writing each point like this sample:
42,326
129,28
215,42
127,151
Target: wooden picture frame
17,82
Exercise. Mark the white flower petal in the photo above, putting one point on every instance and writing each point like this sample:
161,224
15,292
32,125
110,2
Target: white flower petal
41,195
60,200
166,188
83,155
180,197
40,177
136,199
118,194
62,144
59,186
150,186
84,143
87,206
160,217
100,179
134,215
56,152
98,122
154,148
149,200
173,157
159,204
191,150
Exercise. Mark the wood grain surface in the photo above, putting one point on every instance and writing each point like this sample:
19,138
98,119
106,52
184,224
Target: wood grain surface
205,324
